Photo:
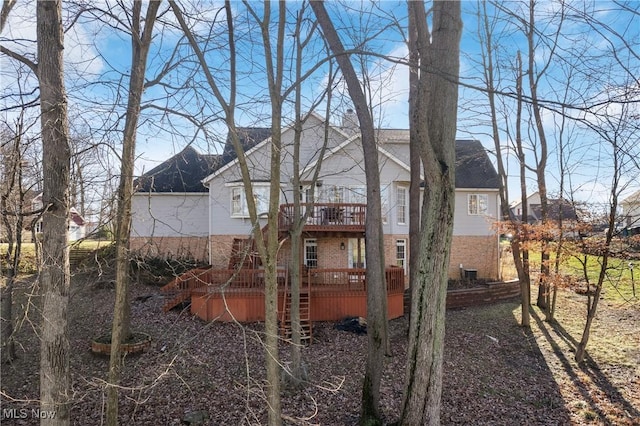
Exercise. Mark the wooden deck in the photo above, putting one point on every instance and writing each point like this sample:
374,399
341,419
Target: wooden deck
326,217
226,295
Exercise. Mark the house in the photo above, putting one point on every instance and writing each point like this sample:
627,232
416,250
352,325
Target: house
182,216
631,211
557,208
171,204
77,228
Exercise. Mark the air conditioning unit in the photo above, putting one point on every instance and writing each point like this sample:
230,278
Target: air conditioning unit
470,274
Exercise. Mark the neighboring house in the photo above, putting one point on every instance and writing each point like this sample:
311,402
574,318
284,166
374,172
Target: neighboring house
558,208
631,211
77,229
174,214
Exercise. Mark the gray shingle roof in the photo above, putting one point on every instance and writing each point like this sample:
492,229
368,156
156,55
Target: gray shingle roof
184,171
473,166
181,173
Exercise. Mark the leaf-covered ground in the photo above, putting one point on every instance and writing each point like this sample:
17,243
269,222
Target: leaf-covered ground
495,372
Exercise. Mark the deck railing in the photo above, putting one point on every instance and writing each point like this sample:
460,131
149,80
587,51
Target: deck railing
318,279
351,279
326,216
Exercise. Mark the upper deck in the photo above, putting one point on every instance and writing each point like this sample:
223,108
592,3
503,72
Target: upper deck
326,217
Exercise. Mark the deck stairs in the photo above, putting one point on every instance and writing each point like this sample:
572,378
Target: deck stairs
306,328
179,289
244,255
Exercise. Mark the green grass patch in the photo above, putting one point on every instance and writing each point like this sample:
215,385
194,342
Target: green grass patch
28,263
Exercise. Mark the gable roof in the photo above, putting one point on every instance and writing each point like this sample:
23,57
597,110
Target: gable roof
473,166
249,138
632,199
474,169
76,218
557,209
186,171
181,173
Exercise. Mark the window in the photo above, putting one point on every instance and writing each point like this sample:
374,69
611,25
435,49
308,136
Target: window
239,207
477,204
358,194
237,201
357,258
335,194
311,253
384,203
401,254
401,204
308,194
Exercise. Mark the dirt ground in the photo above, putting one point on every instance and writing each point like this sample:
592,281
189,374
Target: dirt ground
495,372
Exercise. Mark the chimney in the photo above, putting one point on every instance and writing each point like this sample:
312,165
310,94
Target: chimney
350,121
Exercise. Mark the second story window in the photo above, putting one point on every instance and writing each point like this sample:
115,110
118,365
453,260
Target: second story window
401,204
384,203
239,206
477,204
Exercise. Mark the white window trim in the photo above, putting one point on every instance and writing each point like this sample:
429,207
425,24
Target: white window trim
402,219
481,208
310,242
384,203
351,252
403,243
258,187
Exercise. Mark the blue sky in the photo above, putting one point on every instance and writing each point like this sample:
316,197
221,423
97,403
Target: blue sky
98,59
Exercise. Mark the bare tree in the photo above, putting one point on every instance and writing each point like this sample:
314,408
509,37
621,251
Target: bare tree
267,243
12,204
376,285
488,46
121,329
300,215
435,122
55,389
617,125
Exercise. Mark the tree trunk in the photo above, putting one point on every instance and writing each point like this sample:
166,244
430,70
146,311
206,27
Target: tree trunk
54,276
375,275
12,177
121,327
520,252
414,163
435,123
541,163
488,56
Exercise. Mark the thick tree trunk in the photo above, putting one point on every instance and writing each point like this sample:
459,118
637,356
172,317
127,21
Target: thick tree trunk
435,125
414,162
375,276
54,276
121,326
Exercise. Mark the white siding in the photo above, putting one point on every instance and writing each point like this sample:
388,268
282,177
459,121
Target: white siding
170,215
474,225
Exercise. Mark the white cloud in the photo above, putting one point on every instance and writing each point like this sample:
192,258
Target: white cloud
80,56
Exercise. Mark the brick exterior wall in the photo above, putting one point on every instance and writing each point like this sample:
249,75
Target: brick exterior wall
172,247
221,246
474,252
